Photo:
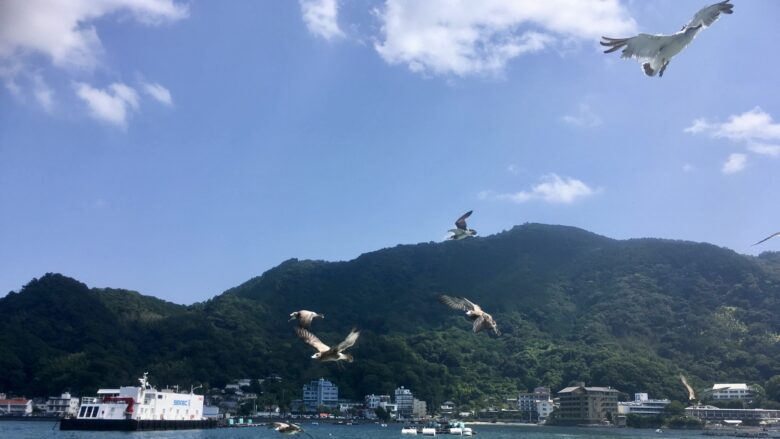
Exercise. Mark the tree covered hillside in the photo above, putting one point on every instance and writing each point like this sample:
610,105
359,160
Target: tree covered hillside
572,305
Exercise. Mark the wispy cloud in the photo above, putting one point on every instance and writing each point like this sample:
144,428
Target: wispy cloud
513,168
552,189
158,92
755,129
42,92
585,117
321,18
112,105
734,163
467,37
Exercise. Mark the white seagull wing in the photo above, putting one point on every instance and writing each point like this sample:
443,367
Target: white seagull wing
643,47
349,341
709,14
457,303
311,340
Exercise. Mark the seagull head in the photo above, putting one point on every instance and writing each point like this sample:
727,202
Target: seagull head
293,315
473,232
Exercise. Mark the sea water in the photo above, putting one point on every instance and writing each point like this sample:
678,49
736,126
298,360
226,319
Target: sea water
36,430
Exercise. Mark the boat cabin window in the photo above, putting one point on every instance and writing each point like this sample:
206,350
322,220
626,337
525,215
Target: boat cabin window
82,411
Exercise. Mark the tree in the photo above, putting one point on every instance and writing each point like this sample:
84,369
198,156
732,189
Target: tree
382,414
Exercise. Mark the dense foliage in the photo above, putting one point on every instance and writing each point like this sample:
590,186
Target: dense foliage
572,306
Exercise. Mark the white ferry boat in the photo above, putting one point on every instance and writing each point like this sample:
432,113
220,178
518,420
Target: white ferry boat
139,408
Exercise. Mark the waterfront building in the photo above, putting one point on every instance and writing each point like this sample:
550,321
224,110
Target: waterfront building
447,408
345,405
16,407
642,405
731,391
528,404
390,408
419,409
544,409
61,406
709,413
211,412
373,401
587,405
405,401
320,393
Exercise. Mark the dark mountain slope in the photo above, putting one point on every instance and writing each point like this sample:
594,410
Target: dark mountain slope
572,305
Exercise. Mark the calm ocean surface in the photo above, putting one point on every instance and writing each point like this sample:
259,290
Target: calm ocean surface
25,430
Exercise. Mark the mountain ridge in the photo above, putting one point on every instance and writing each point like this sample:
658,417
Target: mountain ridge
572,304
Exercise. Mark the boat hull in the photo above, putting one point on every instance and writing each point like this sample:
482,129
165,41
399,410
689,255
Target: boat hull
133,424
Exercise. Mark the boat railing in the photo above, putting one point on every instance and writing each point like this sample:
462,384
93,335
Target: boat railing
89,400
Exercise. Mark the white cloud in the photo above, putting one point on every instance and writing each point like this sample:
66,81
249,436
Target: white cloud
552,189
468,37
734,163
698,126
513,169
585,117
158,92
752,125
688,167
752,128
765,149
42,92
62,31
321,18
111,105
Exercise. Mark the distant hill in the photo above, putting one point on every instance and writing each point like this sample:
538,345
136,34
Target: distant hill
572,305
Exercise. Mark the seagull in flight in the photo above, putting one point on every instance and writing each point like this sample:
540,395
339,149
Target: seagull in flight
326,353
462,231
305,317
655,51
285,428
768,238
474,312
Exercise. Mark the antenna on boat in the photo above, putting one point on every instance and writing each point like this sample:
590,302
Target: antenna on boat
144,381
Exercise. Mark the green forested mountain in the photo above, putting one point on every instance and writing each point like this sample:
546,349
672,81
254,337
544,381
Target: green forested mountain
572,305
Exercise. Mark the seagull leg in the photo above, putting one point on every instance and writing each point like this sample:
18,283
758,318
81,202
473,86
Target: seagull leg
661,72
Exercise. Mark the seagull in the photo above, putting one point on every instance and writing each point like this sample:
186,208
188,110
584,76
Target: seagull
462,231
691,393
482,320
305,317
655,51
285,428
768,238
326,353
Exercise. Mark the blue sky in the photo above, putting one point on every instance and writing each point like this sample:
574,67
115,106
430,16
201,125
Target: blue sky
181,148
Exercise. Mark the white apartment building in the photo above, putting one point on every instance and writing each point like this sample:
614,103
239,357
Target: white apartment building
62,406
16,407
405,401
642,405
373,401
419,409
731,391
